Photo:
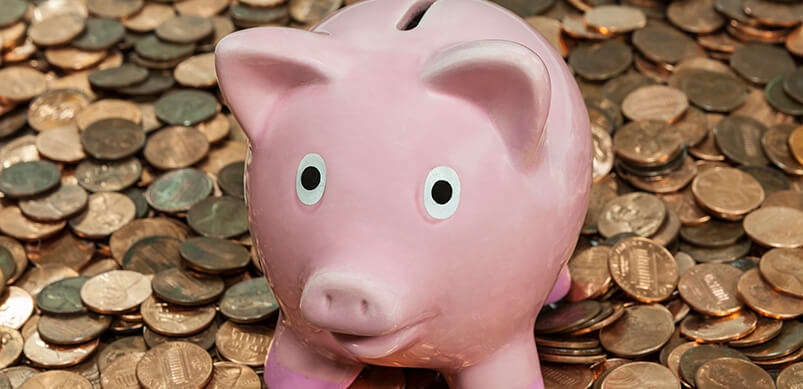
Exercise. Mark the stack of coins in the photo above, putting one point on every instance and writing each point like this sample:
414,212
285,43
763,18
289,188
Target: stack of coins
125,240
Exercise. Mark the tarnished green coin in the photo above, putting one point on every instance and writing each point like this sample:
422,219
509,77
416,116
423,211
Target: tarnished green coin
108,176
113,139
140,202
179,287
17,254
178,190
778,98
793,84
29,178
214,256
665,44
247,16
184,29
230,179
13,11
118,77
601,61
526,8
155,49
100,34
7,264
248,301
72,329
219,217
760,62
204,339
63,296
156,83
739,138
186,107
59,204
712,91
152,254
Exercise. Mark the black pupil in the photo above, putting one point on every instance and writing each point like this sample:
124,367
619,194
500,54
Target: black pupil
311,177
442,192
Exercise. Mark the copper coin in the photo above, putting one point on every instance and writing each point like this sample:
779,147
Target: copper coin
71,58
206,217
692,359
766,329
204,8
717,254
720,329
114,9
672,182
12,346
663,44
601,61
115,291
61,144
112,139
775,143
177,286
602,192
642,330
640,213
565,316
191,367
760,63
697,17
197,71
107,109
683,204
727,191
791,377
762,298
153,254
122,239
245,344
796,143
149,17
707,149
306,11
655,102
712,91
569,343
122,372
787,342
615,19
56,109
223,154
108,176
648,142
16,307
56,378
118,348
757,107
56,30
65,250
72,329
217,256
713,233
563,376
617,311
204,339
783,269
14,223
775,227
589,273
794,41
176,147
30,178
47,355
248,301
673,357
739,138
18,254
575,26
99,267
640,375
60,204
548,27
710,288
174,320
234,375
643,269
669,230
184,29
732,373
215,129
178,190
773,13
105,213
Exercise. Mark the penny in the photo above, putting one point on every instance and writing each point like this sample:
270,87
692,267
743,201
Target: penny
248,301
732,373
692,359
149,17
642,329
17,375
120,347
766,329
43,354
727,191
114,9
655,102
787,342
664,44
246,344
615,19
154,49
60,204
217,217
223,154
56,378
771,180
548,27
16,306
186,107
184,29
781,361
693,126
590,275
106,109
640,213
739,139
790,377
176,147
152,254
105,213
118,77
776,147
205,339
713,91
780,100
112,139
235,375
100,267
122,372
772,13
197,71
56,109
640,375
697,17
710,288
231,177
570,352
178,190
602,192
191,367
720,329
72,329
180,287
643,269
174,320
305,11
566,316
108,176
124,238
56,30
762,298
155,83
214,256
793,84
115,291
617,310
601,61
29,178
204,8
14,11
18,255
567,343
775,227
646,142
783,269
794,41
713,233
63,296
677,350
760,63
61,144
717,254
15,224
672,182
683,204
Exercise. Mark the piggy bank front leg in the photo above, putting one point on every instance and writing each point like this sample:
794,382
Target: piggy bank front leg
514,364
291,365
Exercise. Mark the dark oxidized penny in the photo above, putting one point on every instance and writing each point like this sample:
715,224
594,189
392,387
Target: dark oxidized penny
184,29
63,296
643,269
617,88
230,179
246,344
18,255
783,269
771,180
762,298
605,311
672,182
7,265
710,288
72,329
59,204
713,91
113,139
774,13
775,143
780,100
13,121
793,84
684,205
664,44
695,16
714,233
155,83
642,330
219,217
176,147
693,126
732,373
180,287
760,63
692,359
601,61
13,11
791,377
739,138
100,34
155,49
140,202
178,190
214,256
566,316
114,9
29,178
788,341
526,8
152,254
118,77
766,329
65,250
248,301
248,16
205,338
122,239
718,329
647,142
108,176
186,107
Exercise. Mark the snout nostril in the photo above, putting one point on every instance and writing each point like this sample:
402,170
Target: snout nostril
328,300
364,306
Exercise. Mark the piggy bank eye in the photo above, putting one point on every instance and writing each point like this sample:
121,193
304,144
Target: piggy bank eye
311,179
441,192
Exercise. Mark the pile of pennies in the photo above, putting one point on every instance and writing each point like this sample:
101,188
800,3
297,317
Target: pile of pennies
125,244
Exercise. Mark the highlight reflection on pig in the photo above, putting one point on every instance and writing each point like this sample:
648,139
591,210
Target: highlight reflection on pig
418,175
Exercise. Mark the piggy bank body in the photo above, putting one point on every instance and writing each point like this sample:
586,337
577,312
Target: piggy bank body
418,174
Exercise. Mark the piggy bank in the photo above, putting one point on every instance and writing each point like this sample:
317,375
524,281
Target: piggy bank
418,175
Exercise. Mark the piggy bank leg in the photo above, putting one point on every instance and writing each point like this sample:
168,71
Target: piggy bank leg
291,365
515,365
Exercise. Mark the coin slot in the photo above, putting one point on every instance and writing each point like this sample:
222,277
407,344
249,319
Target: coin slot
414,15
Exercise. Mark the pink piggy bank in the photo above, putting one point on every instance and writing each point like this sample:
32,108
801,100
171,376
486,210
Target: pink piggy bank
418,175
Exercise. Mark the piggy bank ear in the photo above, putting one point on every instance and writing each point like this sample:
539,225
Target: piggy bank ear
257,66
505,79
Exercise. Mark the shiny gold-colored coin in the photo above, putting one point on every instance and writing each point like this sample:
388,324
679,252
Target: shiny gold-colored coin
247,344
174,320
105,213
56,379
775,227
233,375
191,367
727,191
783,269
710,288
642,329
639,213
643,269
720,329
115,291
43,354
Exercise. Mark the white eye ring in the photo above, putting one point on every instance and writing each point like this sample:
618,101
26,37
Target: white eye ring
441,192
311,179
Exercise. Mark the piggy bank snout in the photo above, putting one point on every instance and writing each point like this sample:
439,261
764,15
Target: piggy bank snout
348,304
